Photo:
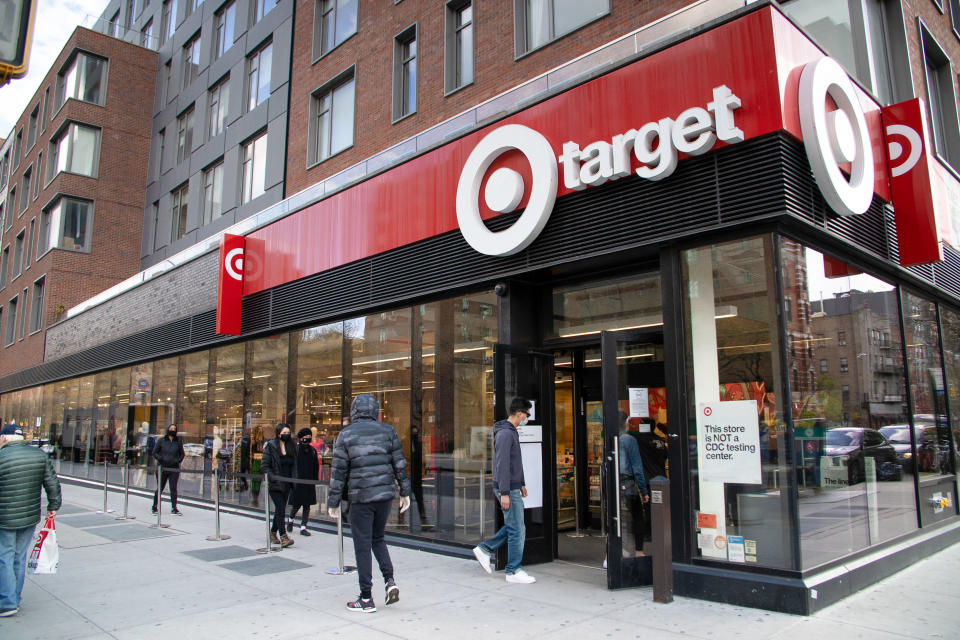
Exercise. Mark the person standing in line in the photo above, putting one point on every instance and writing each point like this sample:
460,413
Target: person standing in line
368,465
23,471
510,488
169,454
303,496
279,461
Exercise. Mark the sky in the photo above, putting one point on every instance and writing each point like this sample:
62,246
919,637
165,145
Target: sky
55,22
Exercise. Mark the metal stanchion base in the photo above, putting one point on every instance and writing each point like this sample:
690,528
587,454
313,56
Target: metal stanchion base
159,526
578,535
125,518
107,511
335,571
220,537
268,549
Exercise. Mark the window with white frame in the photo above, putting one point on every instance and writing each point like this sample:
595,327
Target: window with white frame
157,242
262,8
36,305
334,22
115,25
941,99
167,82
844,367
179,200
75,149
83,78
224,22
11,206
219,104
458,66
213,192
36,181
332,121
191,60
18,245
23,315
253,154
146,35
184,135
32,127
131,13
405,73
168,20
17,148
26,257
66,224
4,266
10,333
538,22
4,169
192,5
258,75
161,149
25,189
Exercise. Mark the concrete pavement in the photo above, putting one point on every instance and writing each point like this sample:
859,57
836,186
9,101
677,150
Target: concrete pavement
125,580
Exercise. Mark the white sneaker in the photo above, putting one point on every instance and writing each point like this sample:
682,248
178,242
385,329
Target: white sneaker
483,558
520,577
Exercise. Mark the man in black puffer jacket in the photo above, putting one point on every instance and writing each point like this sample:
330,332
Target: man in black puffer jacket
368,464
169,454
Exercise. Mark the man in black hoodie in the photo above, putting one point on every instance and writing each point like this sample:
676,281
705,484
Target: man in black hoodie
510,487
368,465
169,454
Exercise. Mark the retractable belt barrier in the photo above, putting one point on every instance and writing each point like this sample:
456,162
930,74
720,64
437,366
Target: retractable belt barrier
106,475
126,493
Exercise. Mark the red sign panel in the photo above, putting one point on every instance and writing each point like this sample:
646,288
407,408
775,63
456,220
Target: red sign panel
230,285
909,162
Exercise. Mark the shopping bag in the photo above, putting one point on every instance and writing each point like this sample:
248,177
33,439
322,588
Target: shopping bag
46,554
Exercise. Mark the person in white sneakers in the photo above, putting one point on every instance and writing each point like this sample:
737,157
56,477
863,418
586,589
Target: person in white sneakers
510,488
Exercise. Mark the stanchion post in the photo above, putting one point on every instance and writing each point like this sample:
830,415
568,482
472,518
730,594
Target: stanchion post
216,504
126,493
662,540
266,513
106,465
159,524
340,569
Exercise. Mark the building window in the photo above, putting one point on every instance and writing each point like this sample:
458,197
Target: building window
541,21
823,366
46,109
17,148
82,79
4,169
115,25
191,60
332,108
36,306
184,135
334,22
65,225
192,5
23,315
224,21
18,255
146,35
11,206
33,224
842,338
3,208
4,266
941,100
167,82
258,75
459,45
213,193
179,198
168,20
36,182
843,365
788,306
10,333
157,243
161,149
32,127
405,73
219,105
262,8
75,150
25,190
253,170
131,13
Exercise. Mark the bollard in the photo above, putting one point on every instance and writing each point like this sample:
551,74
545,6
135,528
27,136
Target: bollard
159,524
106,465
126,493
340,569
216,503
662,540
266,512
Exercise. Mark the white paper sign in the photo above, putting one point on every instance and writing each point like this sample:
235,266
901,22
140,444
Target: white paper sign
532,456
639,402
530,433
728,442
735,549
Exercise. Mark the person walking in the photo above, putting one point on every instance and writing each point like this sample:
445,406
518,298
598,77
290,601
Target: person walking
633,484
23,471
169,455
303,496
368,465
510,489
279,460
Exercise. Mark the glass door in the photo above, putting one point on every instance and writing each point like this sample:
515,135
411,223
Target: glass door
634,446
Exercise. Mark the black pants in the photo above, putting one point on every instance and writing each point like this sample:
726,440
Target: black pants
305,513
635,505
174,478
367,523
279,510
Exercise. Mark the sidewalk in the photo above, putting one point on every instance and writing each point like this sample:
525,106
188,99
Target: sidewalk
125,580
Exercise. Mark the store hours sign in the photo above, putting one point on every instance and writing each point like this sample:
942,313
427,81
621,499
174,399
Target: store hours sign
728,442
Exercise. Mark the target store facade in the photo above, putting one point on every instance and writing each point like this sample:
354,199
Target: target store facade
719,245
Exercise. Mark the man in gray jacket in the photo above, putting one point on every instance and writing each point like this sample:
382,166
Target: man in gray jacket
368,465
23,470
510,487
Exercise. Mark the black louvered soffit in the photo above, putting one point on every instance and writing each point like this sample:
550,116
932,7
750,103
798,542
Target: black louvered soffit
756,180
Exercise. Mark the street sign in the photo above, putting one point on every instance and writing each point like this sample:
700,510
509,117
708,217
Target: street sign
16,31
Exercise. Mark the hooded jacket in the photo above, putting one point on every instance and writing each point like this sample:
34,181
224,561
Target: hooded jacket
368,461
507,463
23,471
169,452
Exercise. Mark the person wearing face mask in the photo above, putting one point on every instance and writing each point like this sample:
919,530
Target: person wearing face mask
302,496
510,488
169,454
279,461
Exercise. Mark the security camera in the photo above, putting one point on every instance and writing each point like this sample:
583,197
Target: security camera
500,289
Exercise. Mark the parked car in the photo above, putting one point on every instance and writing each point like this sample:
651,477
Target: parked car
898,435
855,445
933,447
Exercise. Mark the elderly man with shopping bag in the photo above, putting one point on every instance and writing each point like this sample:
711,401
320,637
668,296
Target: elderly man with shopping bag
24,469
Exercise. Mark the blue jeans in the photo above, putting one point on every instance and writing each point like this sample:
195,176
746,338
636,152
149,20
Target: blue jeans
13,563
513,533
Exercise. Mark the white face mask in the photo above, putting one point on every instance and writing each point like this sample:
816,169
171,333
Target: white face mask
524,421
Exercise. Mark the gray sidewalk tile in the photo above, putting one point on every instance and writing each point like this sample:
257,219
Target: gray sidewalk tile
216,554
265,565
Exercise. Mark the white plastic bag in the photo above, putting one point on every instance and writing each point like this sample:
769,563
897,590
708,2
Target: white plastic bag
46,554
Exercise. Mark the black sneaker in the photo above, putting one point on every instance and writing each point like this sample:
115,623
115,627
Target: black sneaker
393,591
177,513
6,613
289,527
153,510
304,531
362,606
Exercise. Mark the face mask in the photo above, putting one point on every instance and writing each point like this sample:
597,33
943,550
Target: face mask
285,437
172,433
524,421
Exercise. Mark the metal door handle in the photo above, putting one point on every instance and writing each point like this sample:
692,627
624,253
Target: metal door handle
616,471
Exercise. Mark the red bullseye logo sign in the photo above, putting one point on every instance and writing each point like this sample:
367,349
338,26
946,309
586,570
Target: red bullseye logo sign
230,284
707,411
233,264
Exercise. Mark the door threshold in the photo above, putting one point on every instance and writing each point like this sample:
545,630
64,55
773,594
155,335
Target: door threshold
577,564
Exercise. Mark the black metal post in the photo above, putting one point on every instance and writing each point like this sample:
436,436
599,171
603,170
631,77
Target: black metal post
662,540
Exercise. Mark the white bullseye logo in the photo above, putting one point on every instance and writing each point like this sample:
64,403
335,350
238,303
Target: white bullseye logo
505,189
233,263
836,137
895,149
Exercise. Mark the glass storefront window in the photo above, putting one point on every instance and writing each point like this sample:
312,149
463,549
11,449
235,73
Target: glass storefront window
950,321
319,388
589,308
732,351
851,425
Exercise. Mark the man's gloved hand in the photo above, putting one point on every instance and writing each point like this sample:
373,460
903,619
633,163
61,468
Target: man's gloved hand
334,512
404,503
